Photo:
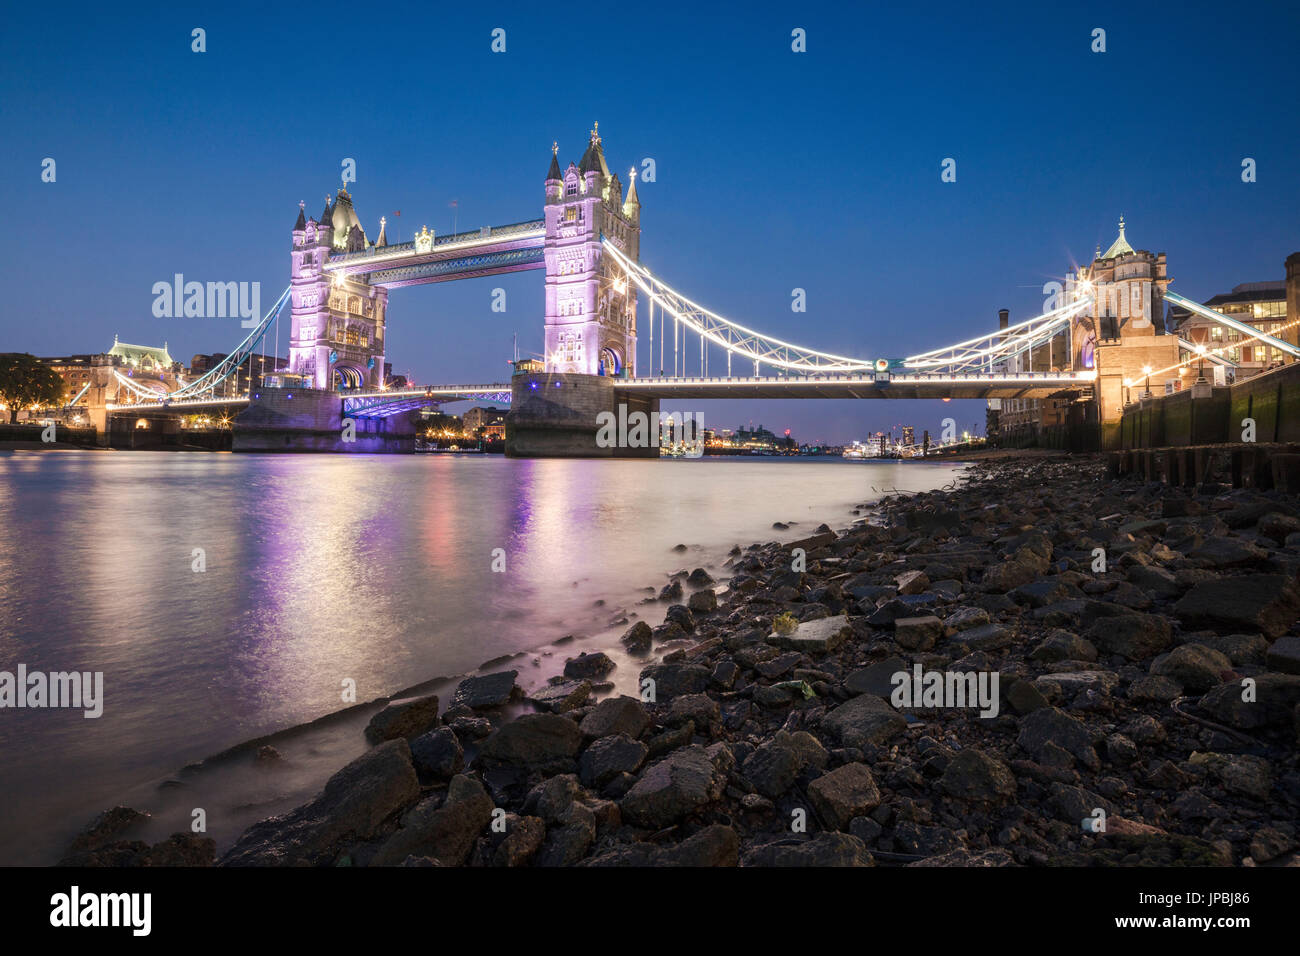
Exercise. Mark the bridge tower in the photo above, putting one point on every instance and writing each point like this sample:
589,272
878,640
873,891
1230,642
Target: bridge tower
1123,334
337,335
590,305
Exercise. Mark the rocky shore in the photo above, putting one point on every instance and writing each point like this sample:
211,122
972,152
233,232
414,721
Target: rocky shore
1125,665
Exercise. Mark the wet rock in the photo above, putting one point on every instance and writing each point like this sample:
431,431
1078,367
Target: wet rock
615,715
1274,698
917,633
1051,725
863,721
542,742
610,756
637,638
111,826
408,718
592,666
438,754
443,829
1238,773
1133,635
561,696
702,602
673,788
1284,655
978,777
487,690
675,679
1064,646
912,582
844,793
1196,667
1267,603
815,637
876,679
352,805
522,839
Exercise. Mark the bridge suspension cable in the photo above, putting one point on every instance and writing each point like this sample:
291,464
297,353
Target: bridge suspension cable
985,351
230,364
731,336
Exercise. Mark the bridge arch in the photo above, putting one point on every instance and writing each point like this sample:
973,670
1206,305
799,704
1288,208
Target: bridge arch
348,376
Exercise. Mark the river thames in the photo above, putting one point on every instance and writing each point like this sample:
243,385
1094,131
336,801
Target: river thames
224,597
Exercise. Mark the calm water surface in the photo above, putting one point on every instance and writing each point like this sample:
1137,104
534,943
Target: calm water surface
321,568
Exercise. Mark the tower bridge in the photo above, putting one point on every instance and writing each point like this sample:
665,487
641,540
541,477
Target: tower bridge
607,317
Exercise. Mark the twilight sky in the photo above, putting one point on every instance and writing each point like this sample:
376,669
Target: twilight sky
775,169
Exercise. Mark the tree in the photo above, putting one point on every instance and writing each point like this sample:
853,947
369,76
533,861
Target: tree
26,381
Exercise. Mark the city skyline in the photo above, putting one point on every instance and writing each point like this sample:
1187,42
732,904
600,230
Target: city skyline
819,189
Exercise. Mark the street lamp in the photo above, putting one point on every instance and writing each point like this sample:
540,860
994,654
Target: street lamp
1146,370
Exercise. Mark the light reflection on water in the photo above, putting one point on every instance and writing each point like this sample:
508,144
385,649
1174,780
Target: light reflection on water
320,568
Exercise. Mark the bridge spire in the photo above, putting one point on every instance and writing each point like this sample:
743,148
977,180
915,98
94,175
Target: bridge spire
383,236
631,205
301,224
1120,246
553,174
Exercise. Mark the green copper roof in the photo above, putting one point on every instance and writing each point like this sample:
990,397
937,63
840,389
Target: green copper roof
137,354
1120,246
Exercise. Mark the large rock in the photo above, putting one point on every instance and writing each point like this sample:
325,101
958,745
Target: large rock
443,829
561,696
1268,603
438,754
824,849
1133,635
877,679
615,715
1026,565
975,776
638,638
1197,667
354,802
820,636
675,679
673,788
917,633
408,717
1284,655
1053,726
592,666
543,742
610,756
774,765
864,720
1273,702
487,690
844,793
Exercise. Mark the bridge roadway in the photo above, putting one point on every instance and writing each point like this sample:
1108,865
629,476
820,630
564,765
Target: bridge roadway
906,385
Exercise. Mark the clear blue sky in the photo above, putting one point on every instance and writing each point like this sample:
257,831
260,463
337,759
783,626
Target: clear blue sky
775,170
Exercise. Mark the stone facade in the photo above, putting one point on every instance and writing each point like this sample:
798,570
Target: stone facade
337,335
590,305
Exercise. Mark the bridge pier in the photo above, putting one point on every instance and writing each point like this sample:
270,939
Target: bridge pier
311,420
558,416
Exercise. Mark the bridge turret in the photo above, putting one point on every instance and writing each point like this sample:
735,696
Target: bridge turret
554,177
590,305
